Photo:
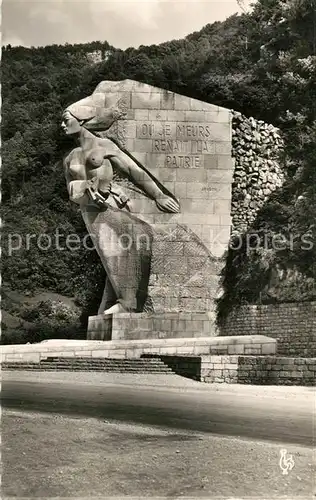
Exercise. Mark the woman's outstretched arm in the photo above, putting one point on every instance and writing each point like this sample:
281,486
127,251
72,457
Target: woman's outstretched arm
122,162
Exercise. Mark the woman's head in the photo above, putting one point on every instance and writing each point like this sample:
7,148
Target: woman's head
96,113
70,124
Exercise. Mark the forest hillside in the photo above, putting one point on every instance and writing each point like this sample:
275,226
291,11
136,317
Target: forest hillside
261,64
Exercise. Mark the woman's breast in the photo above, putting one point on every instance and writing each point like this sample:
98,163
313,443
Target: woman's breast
76,167
104,173
77,171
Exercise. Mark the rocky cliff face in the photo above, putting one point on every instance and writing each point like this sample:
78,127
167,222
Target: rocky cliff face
256,149
98,56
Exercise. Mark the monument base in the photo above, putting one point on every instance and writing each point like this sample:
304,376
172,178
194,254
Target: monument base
100,327
143,326
245,345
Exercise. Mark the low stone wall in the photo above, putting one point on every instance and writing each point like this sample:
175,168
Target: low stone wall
244,360
292,325
253,344
258,370
277,371
218,369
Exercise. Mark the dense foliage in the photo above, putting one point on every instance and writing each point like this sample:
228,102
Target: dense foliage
281,267
261,64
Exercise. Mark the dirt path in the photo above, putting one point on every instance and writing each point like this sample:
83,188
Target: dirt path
55,456
114,435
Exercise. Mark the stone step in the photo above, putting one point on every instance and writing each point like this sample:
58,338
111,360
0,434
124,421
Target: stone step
90,368
100,365
84,365
114,361
104,360
108,368
106,365
92,364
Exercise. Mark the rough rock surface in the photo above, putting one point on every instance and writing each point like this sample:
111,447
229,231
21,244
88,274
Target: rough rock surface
256,149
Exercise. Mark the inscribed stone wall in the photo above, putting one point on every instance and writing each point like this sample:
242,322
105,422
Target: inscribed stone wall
186,145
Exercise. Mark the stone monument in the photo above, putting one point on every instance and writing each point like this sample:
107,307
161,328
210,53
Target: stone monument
152,175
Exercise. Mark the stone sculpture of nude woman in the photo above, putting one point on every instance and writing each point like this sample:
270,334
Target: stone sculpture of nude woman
89,172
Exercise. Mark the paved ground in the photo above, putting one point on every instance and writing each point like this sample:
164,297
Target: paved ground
92,434
158,381
271,413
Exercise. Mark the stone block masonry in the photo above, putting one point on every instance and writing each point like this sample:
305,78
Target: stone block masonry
277,371
216,360
160,326
167,161
186,144
293,325
138,347
258,370
219,369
